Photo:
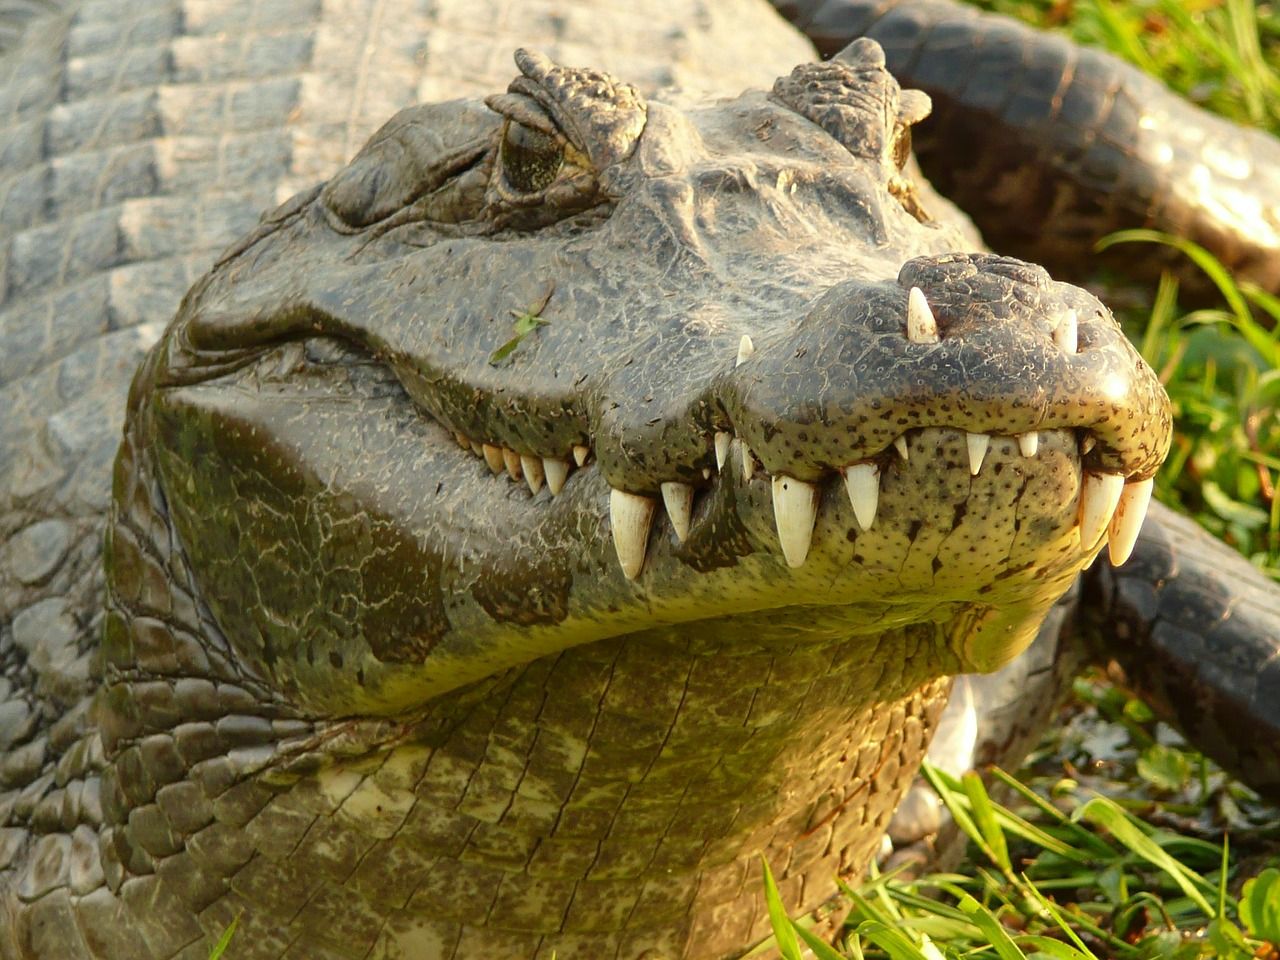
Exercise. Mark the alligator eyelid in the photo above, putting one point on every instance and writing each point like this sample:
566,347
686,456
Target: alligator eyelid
524,110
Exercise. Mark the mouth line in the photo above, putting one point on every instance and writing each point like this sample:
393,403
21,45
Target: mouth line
1107,503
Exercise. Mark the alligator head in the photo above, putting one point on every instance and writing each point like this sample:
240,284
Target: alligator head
748,457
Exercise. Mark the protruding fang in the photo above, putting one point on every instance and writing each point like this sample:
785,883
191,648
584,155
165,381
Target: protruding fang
493,457
921,326
1029,443
580,454
533,474
862,480
512,461
1122,534
900,444
977,443
722,448
1099,494
678,499
557,472
795,509
745,349
1088,443
1066,335
748,461
630,516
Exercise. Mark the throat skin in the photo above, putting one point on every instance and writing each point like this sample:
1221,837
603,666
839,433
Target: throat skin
615,800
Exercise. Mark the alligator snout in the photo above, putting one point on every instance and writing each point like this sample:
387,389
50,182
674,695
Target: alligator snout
978,353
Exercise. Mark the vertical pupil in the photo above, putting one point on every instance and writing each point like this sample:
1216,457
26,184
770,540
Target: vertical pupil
530,158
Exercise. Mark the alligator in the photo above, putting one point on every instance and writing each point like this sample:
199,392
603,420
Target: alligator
587,489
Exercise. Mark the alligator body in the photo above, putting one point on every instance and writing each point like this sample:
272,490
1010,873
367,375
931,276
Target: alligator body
585,491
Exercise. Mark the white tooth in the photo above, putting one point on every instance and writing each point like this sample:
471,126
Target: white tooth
795,508
557,472
1099,494
477,449
580,454
678,498
706,473
1029,443
533,475
900,443
921,326
1065,335
978,443
1122,534
748,461
630,516
1088,443
722,448
512,461
493,457
862,480
745,349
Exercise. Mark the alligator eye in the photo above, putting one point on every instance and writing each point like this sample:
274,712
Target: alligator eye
530,158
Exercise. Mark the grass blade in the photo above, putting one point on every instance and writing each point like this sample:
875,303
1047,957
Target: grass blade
1107,814
783,930
220,947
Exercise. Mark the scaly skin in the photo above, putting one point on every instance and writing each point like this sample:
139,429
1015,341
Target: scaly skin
387,705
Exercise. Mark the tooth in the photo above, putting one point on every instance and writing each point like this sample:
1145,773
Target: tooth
862,480
795,508
630,516
462,439
678,498
722,448
533,475
745,349
1122,534
512,461
748,461
557,472
978,443
1099,494
580,454
706,473
493,457
1029,443
477,449
921,326
1065,335
1088,443
900,443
